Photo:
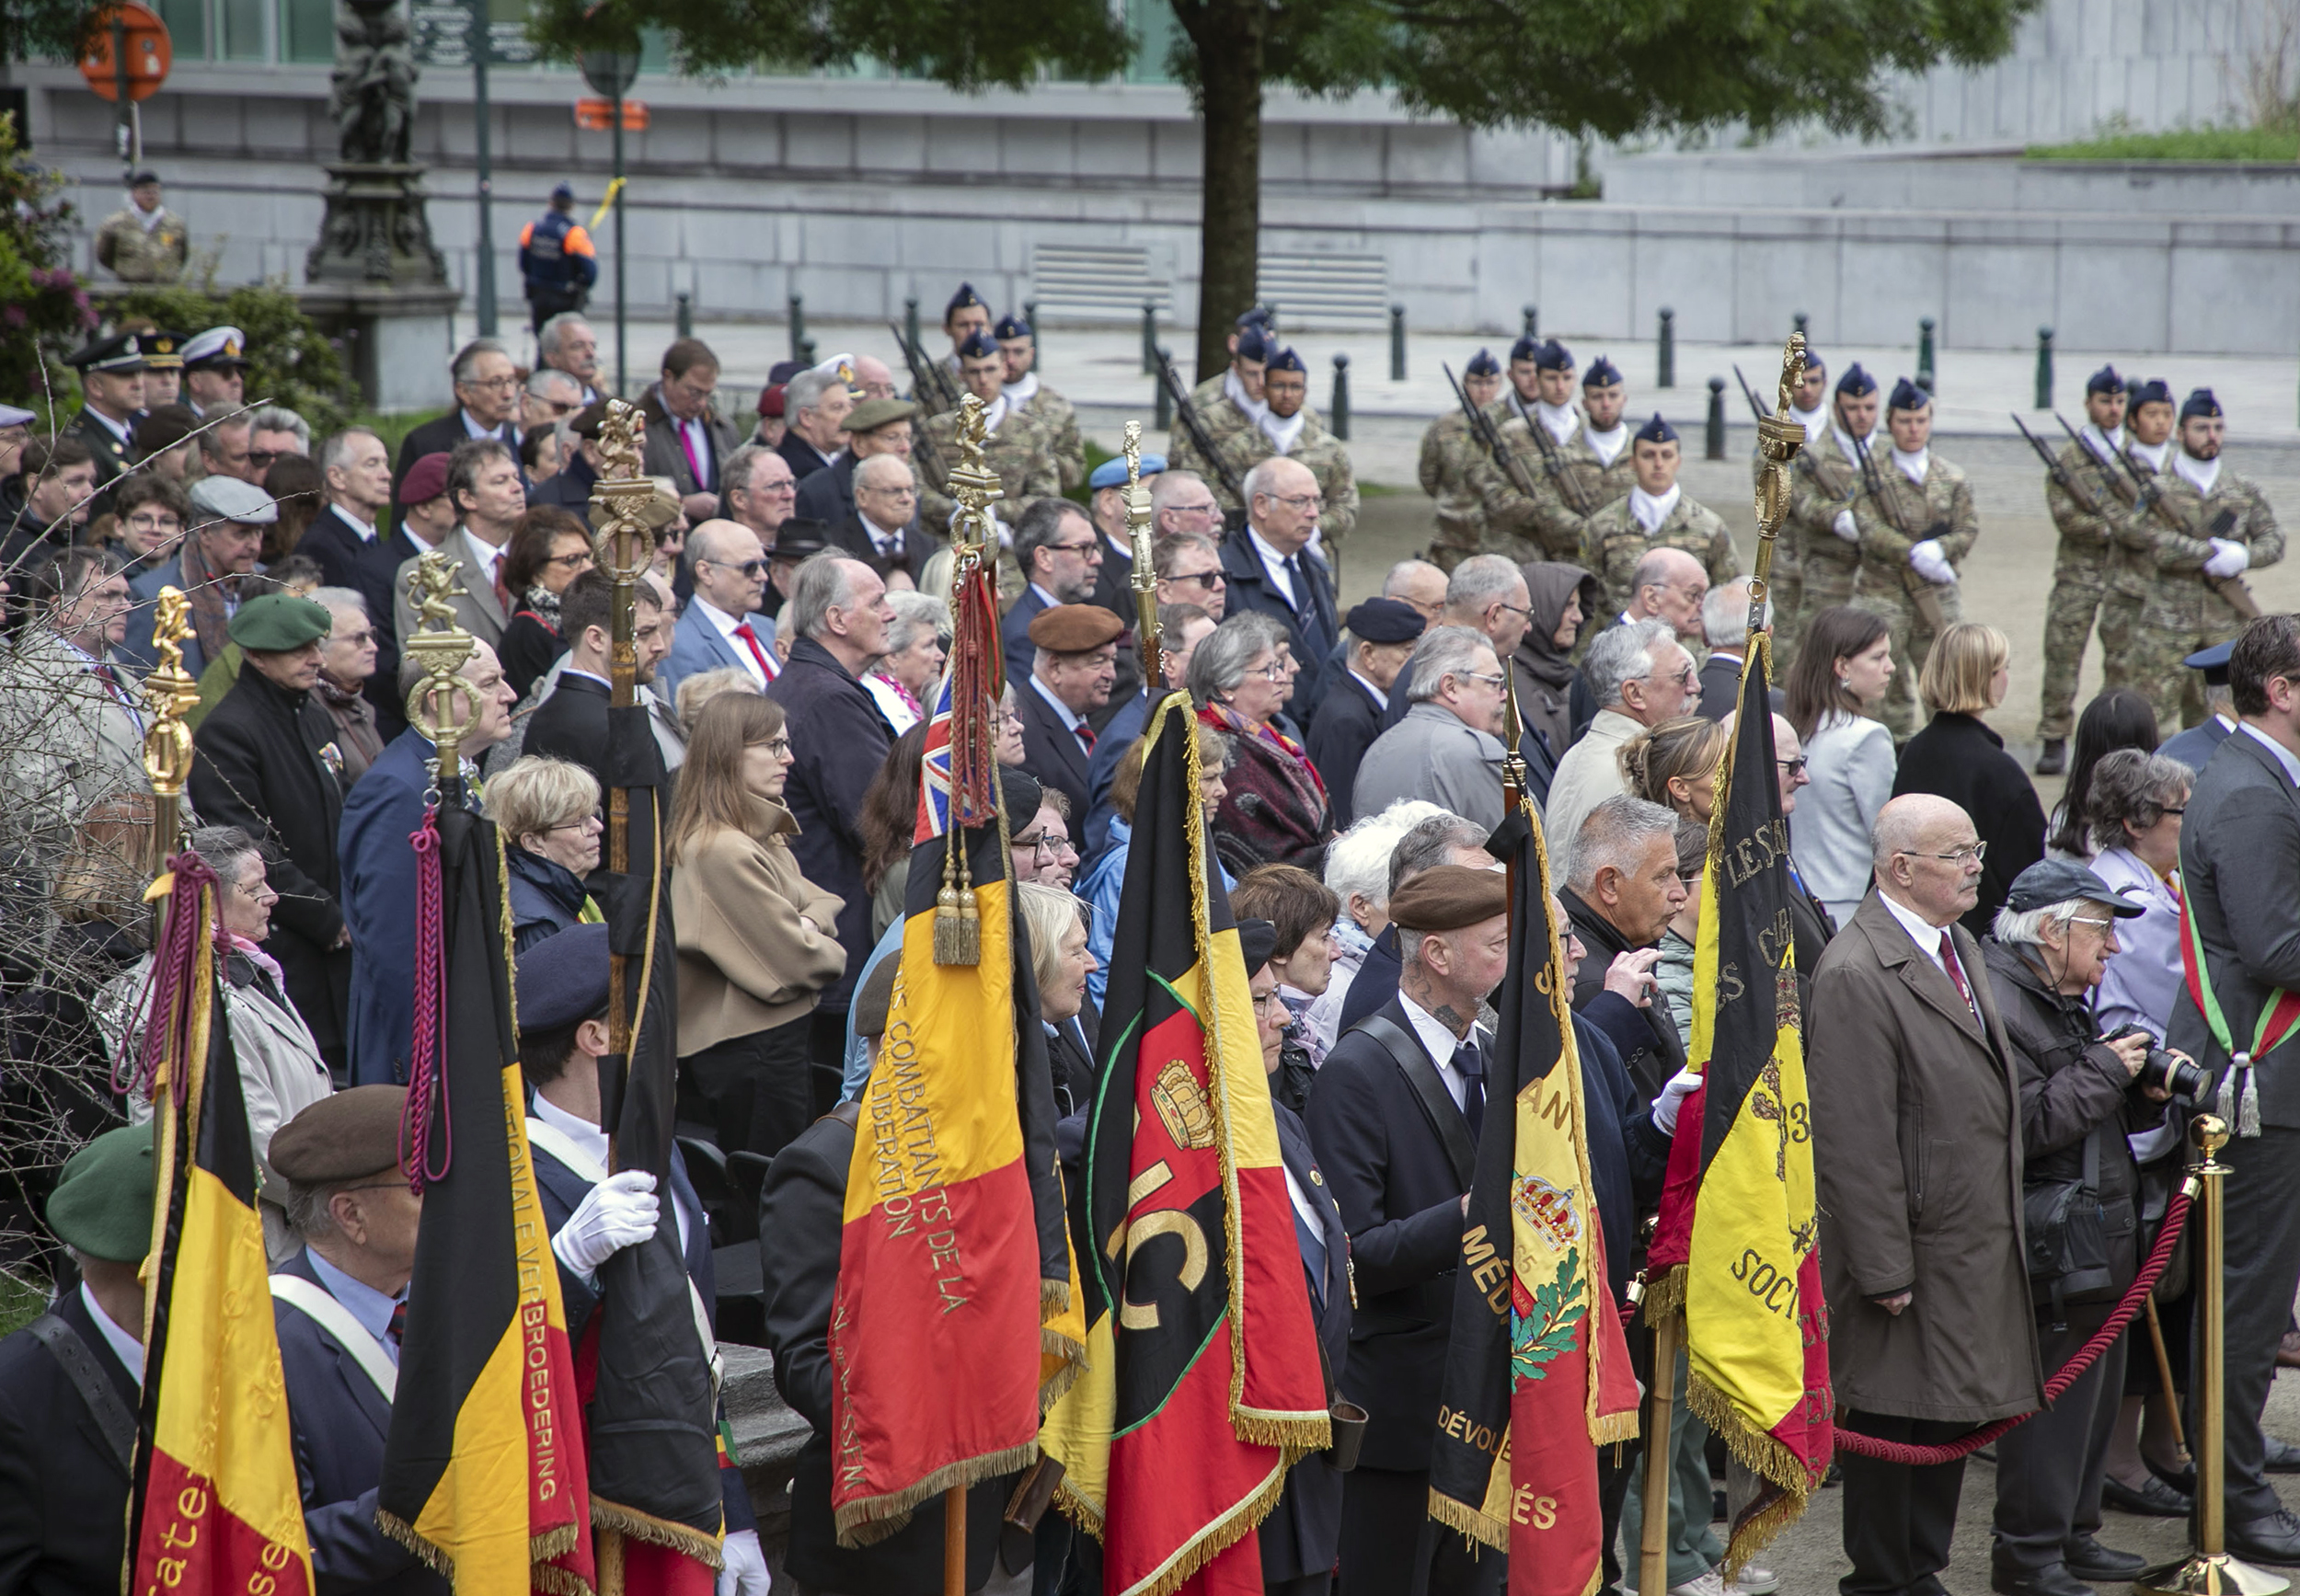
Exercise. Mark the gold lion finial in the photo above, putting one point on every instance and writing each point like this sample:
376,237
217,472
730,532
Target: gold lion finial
173,693
442,645
1792,372
973,484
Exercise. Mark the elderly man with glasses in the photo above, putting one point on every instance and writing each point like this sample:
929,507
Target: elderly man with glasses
723,625
1189,570
1446,750
487,406
1274,568
1641,675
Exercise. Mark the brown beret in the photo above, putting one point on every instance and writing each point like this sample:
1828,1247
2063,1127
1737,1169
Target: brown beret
873,414
1075,628
349,1136
1448,898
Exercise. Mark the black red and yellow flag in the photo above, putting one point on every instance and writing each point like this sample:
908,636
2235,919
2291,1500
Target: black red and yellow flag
1202,1384
1537,1376
1735,1245
216,1510
484,1473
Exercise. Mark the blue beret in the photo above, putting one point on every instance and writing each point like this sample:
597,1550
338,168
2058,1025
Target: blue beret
1857,383
1526,348
2104,381
2199,402
563,979
1601,373
1554,356
1252,344
1011,325
1285,359
1657,431
962,300
1384,621
977,344
2154,391
1907,396
2213,662
1483,365
1111,473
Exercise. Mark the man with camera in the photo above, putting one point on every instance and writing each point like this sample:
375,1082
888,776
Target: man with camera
2081,1094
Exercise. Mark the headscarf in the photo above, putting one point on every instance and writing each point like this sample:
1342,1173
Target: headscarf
1544,671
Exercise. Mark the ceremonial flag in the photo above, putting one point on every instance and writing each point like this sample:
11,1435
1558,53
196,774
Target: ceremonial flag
216,1508
954,1266
1736,1241
1202,1384
1537,1375
483,1468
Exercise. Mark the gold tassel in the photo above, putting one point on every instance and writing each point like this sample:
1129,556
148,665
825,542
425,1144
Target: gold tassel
957,924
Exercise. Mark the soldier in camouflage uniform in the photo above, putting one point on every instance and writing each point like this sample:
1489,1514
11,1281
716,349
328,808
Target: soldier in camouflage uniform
1915,520
2088,522
1575,467
1020,449
1017,347
965,316
2148,448
1449,449
2232,530
1225,406
1809,405
1655,513
144,241
1287,425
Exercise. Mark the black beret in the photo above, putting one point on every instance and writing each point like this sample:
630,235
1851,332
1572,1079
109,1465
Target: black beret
1256,940
965,298
1011,325
1384,621
1482,364
1856,383
1601,373
1907,396
349,1136
1448,897
1554,356
1657,431
2154,391
1074,628
1022,795
977,344
562,978
2104,381
1285,359
2199,402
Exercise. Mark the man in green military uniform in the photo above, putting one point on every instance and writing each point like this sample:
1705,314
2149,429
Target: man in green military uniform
965,316
1017,347
2088,522
1291,428
144,242
2231,530
1655,513
1917,521
1822,489
1019,449
1449,449
1809,407
2148,420
112,388
1575,465
1226,404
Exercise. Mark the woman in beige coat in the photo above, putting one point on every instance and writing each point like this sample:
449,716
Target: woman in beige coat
757,941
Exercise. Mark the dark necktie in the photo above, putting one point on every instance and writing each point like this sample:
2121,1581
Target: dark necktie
1470,1064
1956,974
397,1329
1313,1242
1085,735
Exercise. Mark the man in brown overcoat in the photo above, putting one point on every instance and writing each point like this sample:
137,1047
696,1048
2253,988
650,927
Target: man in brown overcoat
1917,1155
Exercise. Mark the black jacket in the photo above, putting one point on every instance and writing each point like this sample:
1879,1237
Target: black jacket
1721,688
1347,722
1376,981
847,533
570,490
1303,1534
839,739
1658,1053
366,566
440,437
258,765
802,1207
530,646
1051,750
800,455
1314,627
828,495
1961,759
573,725
547,898
63,1492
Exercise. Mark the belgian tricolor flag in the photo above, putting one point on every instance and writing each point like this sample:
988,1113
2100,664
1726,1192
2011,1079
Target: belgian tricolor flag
1202,1384
484,1472
1735,1244
216,1510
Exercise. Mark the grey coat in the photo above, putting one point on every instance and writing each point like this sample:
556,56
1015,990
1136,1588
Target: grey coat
1432,754
1916,1140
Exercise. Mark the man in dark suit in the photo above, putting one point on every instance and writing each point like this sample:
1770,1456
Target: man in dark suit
339,1303
378,869
1058,553
1074,649
571,723
111,384
882,528
487,406
686,436
2238,846
69,1381
1395,1119
352,543
815,406
1270,569
1621,892
1725,624
2194,747
265,760
874,427
1382,632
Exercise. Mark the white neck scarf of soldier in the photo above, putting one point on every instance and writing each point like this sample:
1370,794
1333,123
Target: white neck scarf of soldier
1282,432
1559,418
148,219
2152,454
1815,422
1607,447
1913,466
1649,512
2104,444
2201,474
1851,447
1022,390
992,414
1234,391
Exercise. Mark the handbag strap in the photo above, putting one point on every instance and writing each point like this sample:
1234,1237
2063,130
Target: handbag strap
1453,1127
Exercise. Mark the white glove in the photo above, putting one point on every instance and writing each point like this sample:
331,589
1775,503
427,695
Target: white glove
1682,1084
621,1210
744,1566
2228,558
1929,562
1845,528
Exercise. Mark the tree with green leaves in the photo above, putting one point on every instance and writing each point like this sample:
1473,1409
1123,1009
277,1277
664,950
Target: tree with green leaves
1603,68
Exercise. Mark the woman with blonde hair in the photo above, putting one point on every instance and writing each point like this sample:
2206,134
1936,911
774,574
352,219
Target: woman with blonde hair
1959,757
549,812
1674,765
1061,961
758,942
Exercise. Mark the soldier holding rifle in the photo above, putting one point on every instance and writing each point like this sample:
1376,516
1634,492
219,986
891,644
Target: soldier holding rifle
1916,521
2080,492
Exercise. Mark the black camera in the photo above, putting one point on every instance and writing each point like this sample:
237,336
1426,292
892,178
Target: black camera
2167,1072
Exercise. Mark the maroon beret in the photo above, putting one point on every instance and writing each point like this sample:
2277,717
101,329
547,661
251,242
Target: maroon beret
425,481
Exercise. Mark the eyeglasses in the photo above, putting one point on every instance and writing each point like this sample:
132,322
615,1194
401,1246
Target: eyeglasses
1516,609
154,523
367,635
1958,857
262,456
777,746
1261,1004
1208,580
1273,671
1305,502
575,561
1683,678
1207,507
1092,543
749,568
2100,923
1493,682
1795,767
789,487
1047,845
2172,809
580,823
263,894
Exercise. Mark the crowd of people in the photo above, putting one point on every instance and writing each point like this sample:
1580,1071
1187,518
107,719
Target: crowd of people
1984,984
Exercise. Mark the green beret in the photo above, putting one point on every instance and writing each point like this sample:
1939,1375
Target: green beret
347,1136
102,1204
873,414
277,622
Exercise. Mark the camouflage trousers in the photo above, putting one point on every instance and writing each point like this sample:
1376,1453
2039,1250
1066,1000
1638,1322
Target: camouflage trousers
1455,537
1825,578
2153,653
2079,583
1912,641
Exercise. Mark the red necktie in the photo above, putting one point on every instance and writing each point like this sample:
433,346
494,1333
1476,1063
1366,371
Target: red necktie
751,641
111,682
397,1329
1956,975
1085,735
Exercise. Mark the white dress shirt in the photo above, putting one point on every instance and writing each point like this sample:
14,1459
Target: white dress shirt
1274,565
2285,756
1068,716
1438,1041
125,1348
472,428
889,544
488,559
591,1142
1380,697
1925,934
366,529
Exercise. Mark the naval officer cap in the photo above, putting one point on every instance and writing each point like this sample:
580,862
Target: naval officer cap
1010,325
277,623
1601,373
102,1202
2213,662
1907,396
1483,365
1074,628
229,499
1111,473
1856,383
979,345
215,349
562,980
1285,359
163,351
1554,356
2199,402
1450,897
1657,431
2154,391
1384,621
965,299
347,1136
121,353
2104,381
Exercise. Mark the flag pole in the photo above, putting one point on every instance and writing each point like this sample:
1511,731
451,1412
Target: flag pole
954,1541
1146,580
1779,437
1653,1549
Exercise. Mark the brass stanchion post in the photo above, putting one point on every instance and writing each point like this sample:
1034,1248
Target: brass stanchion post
1653,1550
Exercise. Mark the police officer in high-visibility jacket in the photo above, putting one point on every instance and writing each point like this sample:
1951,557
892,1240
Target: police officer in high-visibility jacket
556,259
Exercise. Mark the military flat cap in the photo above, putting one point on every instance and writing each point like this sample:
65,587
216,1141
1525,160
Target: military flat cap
1554,356
1256,940
1526,348
1813,363
349,1136
163,428
1907,396
1075,628
214,348
1856,383
2199,402
1384,621
425,481
965,299
102,1203
2213,662
1010,325
1657,431
2051,881
977,344
229,499
278,622
1285,359
1111,473
1483,365
1448,897
163,351
799,538
2104,381
873,414
2154,391
1253,344
123,352
562,978
1601,373
10,416
771,399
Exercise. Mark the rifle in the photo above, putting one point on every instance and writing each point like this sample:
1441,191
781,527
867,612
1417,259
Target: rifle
2052,468
1755,409
1552,462
1922,593
2145,495
1481,428
930,384
922,441
1187,413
